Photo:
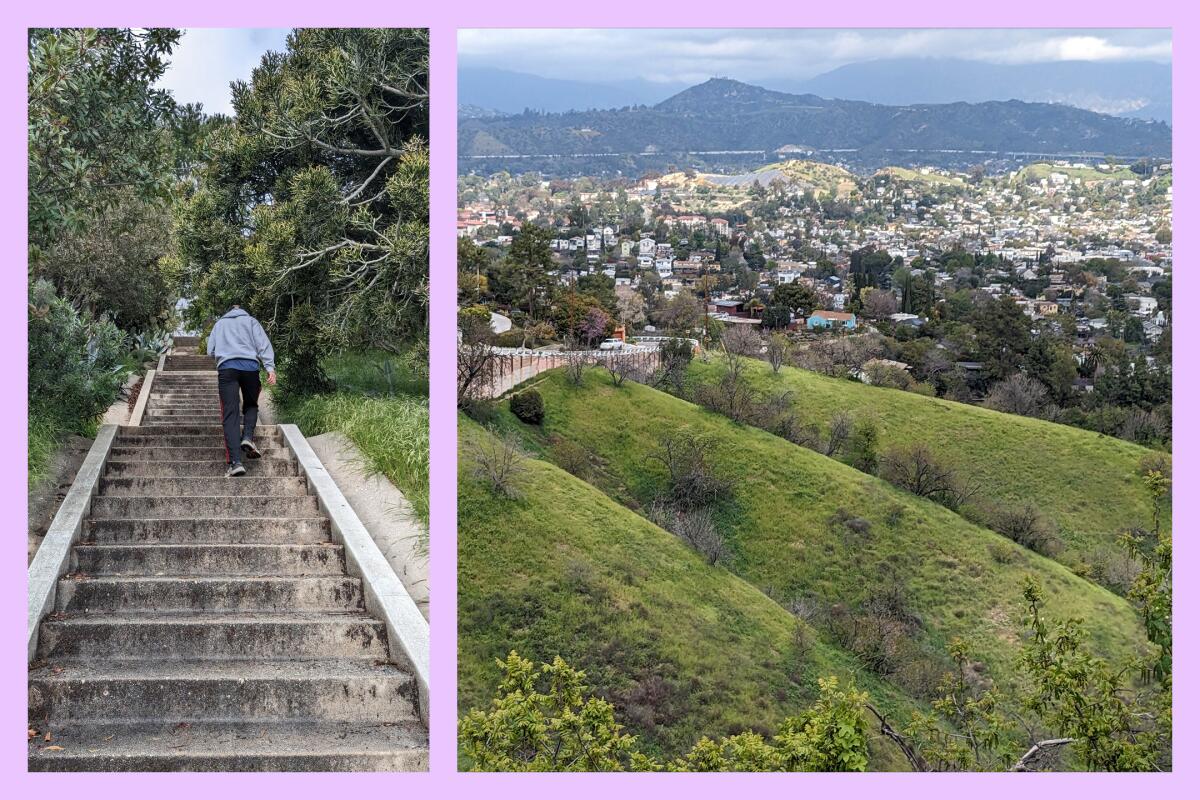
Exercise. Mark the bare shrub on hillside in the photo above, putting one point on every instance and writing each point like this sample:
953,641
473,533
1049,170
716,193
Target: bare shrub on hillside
1021,394
840,428
740,341
777,351
692,481
914,468
498,462
1027,526
577,358
695,527
477,366
571,457
619,368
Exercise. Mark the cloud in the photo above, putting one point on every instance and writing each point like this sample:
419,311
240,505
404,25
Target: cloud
687,55
207,60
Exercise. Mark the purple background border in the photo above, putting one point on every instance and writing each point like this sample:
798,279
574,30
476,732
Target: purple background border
443,22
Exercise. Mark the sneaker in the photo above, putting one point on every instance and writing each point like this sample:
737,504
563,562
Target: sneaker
235,470
249,449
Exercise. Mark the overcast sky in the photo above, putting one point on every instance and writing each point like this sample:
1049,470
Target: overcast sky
208,59
690,56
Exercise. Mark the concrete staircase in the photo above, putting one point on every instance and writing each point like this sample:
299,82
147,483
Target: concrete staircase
208,623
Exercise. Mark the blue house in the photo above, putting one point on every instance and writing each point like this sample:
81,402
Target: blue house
831,319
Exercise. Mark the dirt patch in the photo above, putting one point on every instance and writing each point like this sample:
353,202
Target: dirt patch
47,496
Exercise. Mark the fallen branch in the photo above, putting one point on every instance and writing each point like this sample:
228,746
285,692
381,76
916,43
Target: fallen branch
915,760
1042,749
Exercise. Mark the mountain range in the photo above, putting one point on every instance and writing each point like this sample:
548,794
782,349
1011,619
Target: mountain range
727,115
1138,89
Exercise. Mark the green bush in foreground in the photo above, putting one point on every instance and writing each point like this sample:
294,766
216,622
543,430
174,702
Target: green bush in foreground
564,730
76,369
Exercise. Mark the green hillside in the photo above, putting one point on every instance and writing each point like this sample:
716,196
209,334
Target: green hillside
788,531
1040,170
682,648
1086,483
918,176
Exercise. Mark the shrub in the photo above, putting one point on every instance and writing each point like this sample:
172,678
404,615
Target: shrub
528,407
864,446
571,457
695,527
1026,526
75,362
692,481
499,463
917,470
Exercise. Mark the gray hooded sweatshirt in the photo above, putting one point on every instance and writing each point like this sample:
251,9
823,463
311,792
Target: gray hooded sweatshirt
239,335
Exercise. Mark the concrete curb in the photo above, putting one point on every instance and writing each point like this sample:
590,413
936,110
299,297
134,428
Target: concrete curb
139,408
53,557
162,362
408,632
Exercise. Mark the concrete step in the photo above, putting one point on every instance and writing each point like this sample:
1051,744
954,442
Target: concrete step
184,410
128,593
145,450
170,436
312,529
213,467
192,691
268,434
208,559
212,636
224,507
164,488
182,361
172,487
228,747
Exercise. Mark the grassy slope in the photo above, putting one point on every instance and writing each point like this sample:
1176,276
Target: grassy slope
916,176
387,419
566,571
1086,482
785,544
1036,172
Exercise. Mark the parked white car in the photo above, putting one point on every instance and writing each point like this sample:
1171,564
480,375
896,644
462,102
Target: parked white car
612,344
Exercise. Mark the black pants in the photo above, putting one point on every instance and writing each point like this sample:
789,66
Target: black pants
239,390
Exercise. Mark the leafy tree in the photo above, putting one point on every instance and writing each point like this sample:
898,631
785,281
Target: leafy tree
1082,696
529,260
96,125
1003,336
115,266
313,210
794,296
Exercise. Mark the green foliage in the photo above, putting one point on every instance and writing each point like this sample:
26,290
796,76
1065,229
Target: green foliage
1083,696
831,736
386,417
555,730
96,122
527,406
75,370
562,729
312,212
75,367
863,449
114,265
